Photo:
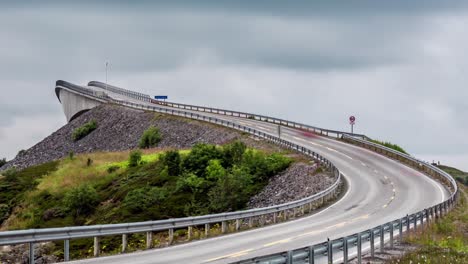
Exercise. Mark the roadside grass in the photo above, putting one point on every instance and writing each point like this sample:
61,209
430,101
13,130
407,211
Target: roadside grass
459,175
389,145
444,241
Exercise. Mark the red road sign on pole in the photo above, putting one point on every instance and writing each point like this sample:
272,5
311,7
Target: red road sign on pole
352,120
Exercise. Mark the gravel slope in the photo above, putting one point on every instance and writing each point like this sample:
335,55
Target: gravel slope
120,129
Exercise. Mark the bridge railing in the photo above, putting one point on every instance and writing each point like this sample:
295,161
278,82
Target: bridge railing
351,246
80,89
274,213
274,120
118,90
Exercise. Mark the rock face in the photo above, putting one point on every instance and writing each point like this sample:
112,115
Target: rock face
299,181
120,129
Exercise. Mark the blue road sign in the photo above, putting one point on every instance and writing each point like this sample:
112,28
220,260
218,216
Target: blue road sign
160,97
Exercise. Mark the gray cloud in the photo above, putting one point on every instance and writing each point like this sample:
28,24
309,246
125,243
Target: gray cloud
399,66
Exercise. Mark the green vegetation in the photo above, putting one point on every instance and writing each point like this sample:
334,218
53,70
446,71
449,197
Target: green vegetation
150,138
3,162
135,158
81,200
135,186
14,185
389,145
84,130
444,241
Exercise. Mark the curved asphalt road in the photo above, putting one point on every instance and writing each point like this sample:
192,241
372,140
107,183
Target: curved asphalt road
380,190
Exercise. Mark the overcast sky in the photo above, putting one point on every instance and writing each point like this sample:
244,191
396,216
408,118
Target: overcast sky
401,68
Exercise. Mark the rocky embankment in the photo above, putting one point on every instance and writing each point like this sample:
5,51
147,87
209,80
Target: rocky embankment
299,181
120,129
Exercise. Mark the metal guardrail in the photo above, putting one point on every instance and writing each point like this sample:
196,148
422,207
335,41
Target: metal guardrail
118,90
283,122
328,251
283,211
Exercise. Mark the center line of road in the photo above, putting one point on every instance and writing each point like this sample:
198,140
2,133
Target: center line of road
278,242
233,255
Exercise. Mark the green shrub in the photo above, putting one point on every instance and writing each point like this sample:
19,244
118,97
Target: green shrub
150,138
231,192
135,158
232,153
4,212
81,200
113,168
197,160
89,162
172,160
141,199
3,162
71,155
84,130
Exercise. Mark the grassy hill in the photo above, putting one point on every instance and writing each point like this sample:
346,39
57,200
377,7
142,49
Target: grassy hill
115,187
459,175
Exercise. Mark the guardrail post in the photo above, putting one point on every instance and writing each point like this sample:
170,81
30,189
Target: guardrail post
31,253
311,255
274,217
223,227
96,246
423,213
250,222
124,243
207,230
359,248
330,251
345,250
391,234
149,240
289,257
302,210
400,230
171,236
407,225
372,245
382,238
238,224
189,233
415,223
66,250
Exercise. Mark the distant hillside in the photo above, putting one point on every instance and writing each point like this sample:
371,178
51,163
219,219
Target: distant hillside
120,129
459,175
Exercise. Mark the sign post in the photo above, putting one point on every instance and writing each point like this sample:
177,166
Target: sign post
352,120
